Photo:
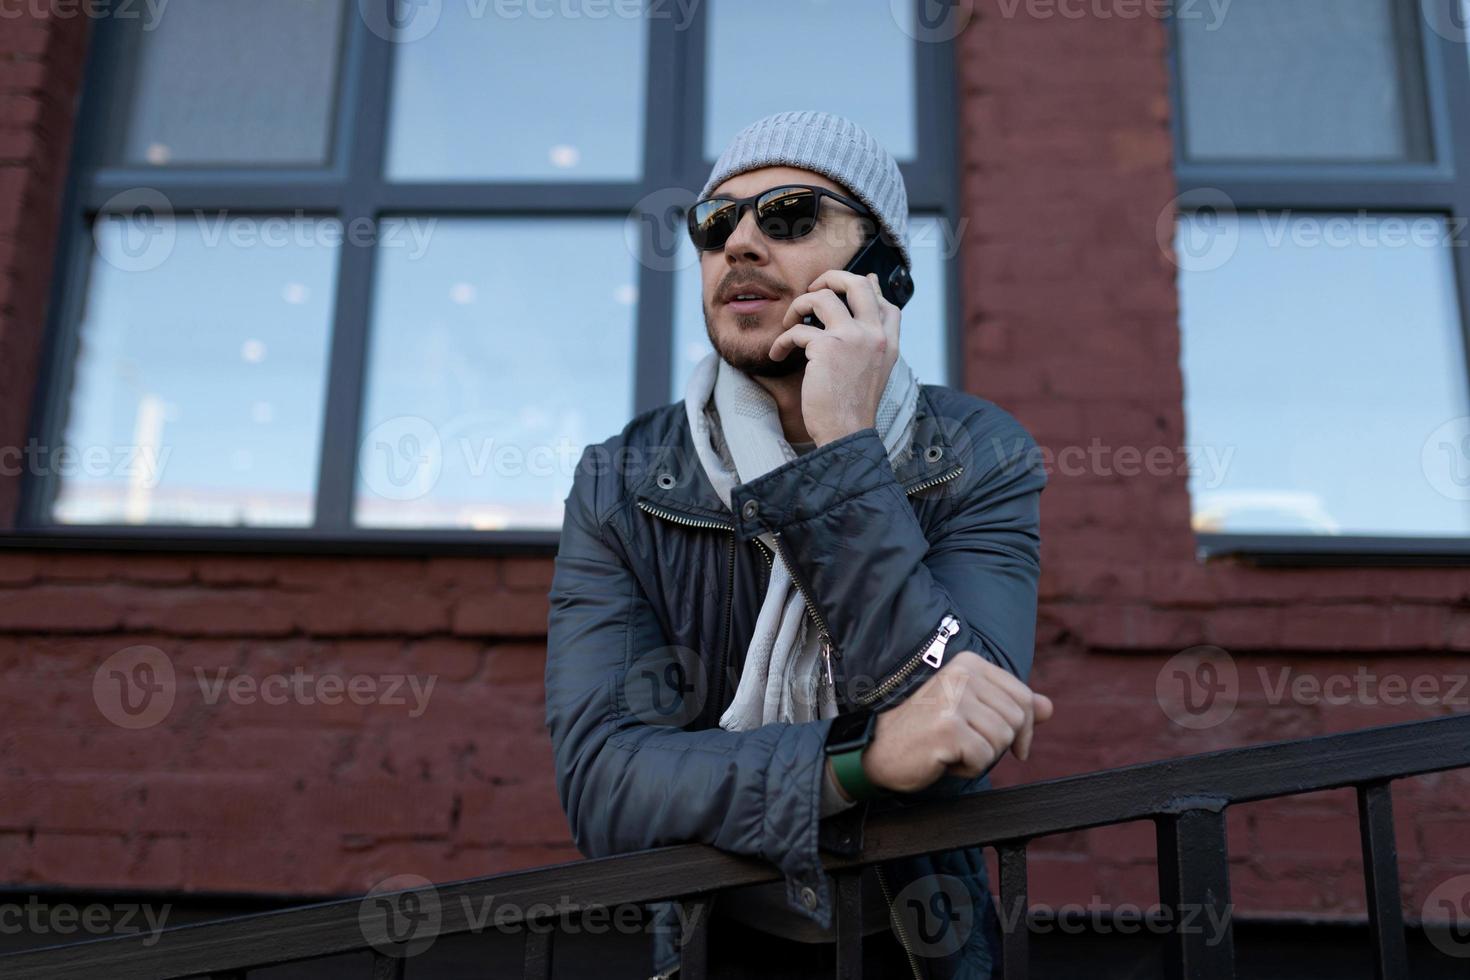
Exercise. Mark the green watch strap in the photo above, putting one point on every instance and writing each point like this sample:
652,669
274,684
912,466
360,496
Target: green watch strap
848,767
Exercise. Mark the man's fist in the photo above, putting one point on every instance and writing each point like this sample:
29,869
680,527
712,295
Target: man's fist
959,722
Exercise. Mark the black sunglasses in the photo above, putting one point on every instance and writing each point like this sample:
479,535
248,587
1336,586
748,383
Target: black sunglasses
783,213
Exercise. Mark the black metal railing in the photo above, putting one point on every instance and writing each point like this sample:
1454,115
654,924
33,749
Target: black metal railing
1185,797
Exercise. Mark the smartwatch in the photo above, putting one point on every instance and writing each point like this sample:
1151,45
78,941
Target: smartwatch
847,737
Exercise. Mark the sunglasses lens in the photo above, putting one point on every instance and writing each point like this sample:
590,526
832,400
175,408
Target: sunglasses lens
782,213
787,212
712,222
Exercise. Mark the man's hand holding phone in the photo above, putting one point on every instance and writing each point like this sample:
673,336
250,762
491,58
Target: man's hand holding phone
849,361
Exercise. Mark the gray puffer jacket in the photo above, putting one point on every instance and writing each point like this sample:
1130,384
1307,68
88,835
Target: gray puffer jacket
654,600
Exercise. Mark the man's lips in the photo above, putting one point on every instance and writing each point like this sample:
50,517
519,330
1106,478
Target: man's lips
748,299
748,305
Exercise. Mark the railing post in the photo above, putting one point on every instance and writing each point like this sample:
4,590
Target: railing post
537,952
850,925
387,967
1194,885
1015,907
694,945
1381,879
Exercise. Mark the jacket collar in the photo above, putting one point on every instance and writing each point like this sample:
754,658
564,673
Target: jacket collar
676,481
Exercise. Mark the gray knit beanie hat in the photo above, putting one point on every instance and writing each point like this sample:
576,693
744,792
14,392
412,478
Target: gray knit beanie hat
832,146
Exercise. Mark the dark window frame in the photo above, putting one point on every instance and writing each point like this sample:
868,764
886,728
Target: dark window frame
352,186
1438,186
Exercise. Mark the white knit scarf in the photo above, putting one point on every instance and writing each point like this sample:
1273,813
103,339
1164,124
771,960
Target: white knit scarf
738,438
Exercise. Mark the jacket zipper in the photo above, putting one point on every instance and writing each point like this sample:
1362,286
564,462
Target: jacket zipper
931,653
829,651
942,478
681,519
729,588
897,923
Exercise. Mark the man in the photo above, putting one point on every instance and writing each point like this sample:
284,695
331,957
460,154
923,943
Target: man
809,532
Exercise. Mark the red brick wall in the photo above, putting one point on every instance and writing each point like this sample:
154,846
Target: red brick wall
40,74
1072,322
249,795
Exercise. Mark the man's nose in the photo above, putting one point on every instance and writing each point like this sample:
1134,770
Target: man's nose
746,243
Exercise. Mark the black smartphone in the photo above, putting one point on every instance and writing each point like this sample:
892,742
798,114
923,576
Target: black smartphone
884,259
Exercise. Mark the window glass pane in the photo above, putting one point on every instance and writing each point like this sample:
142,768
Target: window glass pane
201,374
1308,79
491,368
1324,371
507,91
856,60
923,335
221,82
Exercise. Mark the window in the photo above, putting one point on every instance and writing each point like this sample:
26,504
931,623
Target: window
1323,157
323,279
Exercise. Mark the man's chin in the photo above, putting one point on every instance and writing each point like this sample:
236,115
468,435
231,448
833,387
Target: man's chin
756,360
745,342
764,367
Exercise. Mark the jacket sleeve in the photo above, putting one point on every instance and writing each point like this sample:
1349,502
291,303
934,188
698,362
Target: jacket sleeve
628,782
882,586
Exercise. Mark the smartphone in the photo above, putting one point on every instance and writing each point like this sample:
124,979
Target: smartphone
882,258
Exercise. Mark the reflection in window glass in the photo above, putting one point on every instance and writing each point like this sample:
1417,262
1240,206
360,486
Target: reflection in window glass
220,82
518,91
923,335
201,375
1309,79
856,60
1324,371
491,367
